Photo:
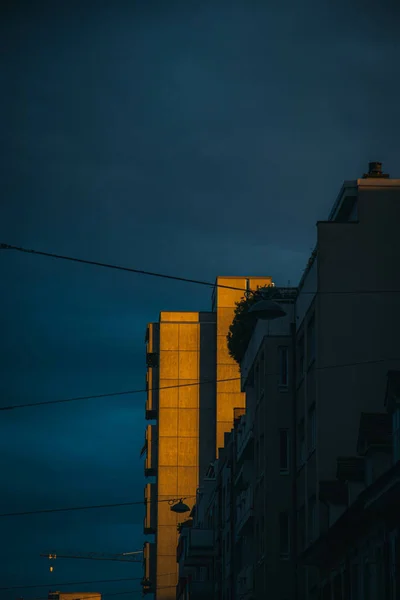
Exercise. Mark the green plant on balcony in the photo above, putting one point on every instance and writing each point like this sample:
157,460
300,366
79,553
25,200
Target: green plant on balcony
241,328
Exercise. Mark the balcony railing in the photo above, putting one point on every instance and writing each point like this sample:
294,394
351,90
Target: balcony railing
244,511
244,437
149,568
244,478
199,546
150,516
245,582
151,398
150,465
200,590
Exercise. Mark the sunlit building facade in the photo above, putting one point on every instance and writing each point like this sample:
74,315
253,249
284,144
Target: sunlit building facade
193,387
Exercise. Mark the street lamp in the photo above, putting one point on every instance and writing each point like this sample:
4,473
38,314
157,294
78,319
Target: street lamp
267,310
179,506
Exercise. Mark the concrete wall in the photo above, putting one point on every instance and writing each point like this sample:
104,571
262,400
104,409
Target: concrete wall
229,395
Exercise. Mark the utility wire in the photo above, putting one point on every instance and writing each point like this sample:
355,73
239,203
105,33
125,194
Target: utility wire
342,365
169,387
22,587
139,391
4,246
118,267
90,507
107,594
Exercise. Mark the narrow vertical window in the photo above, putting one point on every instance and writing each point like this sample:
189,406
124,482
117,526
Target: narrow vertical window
284,535
312,429
300,355
311,340
301,443
283,367
396,435
284,451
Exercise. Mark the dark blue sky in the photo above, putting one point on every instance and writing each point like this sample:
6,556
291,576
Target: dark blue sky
192,138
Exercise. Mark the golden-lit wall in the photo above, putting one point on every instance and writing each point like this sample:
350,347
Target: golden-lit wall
178,434
229,395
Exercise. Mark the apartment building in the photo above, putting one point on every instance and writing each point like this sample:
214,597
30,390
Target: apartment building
347,332
308,376
265,449
193,387
358,549
209,548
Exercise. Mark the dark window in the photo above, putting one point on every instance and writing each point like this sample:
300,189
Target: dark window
284,451
301,443
337,587
311,340
301,528
283,367
284,535
312,429
311,519
300,354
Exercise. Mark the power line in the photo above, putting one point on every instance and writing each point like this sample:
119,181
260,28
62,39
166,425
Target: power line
4,246
107,594
139,391
169,387
22,587
342,365
90,507
118,267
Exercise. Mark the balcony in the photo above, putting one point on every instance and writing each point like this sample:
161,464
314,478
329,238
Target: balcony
150,517
244,512
149,568
151,443
199,590
244,478
245,438
151,399
245,583
198,547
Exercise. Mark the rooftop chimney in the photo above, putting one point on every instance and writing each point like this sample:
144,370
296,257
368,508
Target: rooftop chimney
375,171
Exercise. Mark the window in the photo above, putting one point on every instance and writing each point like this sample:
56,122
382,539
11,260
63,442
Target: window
301,443
312,429
337,587
354,582
262,452
396,435
367,580
300,354
301,528
261,374
262,538
311,519
283,367
284,451
311,339
284,535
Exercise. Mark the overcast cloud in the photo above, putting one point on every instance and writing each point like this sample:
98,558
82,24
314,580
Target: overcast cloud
191,138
